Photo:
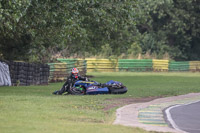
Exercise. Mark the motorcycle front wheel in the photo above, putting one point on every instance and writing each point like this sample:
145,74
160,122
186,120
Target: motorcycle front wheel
76,91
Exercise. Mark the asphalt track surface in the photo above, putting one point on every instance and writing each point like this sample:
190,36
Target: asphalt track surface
185,117
151,116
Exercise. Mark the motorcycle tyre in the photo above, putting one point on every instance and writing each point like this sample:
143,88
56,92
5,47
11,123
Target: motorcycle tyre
73,91
117,90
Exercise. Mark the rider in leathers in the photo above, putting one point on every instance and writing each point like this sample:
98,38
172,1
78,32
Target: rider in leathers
71,79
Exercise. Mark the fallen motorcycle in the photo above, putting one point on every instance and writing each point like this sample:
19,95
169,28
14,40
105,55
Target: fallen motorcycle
94,88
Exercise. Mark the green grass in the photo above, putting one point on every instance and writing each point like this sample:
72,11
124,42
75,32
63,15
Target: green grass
35,109
154,84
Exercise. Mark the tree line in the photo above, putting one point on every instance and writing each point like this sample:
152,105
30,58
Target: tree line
34,30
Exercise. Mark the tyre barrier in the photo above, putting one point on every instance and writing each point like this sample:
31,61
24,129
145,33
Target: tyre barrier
60,71
25,74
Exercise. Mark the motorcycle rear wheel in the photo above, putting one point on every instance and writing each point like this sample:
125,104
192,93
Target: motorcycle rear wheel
121,90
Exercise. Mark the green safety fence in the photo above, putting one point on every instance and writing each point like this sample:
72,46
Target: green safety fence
179,66
135,65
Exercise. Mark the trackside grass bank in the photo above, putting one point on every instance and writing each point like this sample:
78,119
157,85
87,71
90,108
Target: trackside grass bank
34,109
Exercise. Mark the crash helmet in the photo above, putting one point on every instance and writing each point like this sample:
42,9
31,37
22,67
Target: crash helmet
75,73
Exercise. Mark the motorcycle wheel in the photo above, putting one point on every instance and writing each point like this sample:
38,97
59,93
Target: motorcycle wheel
121,90
75,91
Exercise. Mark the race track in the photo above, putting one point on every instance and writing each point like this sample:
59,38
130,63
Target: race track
151,116
185,117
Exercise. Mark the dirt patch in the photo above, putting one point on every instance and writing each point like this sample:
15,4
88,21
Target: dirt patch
118,102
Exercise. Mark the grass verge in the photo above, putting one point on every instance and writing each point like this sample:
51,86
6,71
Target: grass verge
35,109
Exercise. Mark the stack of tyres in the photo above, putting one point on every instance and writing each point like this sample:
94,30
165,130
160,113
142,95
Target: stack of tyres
25,74
44,74
36,78
179,66
30,74
13,72
22,73
135,65
16,73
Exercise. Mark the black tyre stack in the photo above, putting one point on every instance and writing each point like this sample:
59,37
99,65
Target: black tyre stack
44,74
25,74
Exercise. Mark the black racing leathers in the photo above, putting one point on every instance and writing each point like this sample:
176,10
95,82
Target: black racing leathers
69,83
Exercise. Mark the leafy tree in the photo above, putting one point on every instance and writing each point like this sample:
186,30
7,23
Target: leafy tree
31,28
135,50
34,30
173,24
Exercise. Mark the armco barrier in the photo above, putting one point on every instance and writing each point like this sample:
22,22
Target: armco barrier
179,66
160,65
101,65
194,65
135,65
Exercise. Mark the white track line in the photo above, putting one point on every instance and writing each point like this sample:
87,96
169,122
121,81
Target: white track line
169,117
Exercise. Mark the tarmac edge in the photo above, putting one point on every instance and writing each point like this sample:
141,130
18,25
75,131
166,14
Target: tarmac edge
128,115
